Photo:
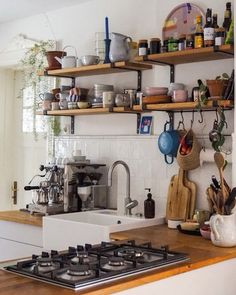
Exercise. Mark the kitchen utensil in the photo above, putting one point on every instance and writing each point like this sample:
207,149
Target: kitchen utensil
119,47
191,232
215,182
223,230
214,134
193,193
156,99
168,142
173,223
230,201
178,198
68,61
205,231
87,60
181,20
220,162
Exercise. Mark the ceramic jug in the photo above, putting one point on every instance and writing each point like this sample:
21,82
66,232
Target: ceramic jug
223,230
119,47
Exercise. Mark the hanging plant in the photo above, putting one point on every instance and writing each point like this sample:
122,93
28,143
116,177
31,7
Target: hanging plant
33,62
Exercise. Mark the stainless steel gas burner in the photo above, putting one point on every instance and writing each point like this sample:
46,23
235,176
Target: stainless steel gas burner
82,267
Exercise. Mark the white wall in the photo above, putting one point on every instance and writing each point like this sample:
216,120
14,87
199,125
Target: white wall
77,26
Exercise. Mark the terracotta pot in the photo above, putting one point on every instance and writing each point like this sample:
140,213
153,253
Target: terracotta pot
52,62
216,87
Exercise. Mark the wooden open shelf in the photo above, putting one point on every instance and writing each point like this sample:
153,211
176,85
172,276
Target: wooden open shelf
189,106
100,69
92,111
189,56
177,106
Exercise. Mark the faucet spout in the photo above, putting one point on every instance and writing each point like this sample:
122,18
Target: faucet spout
110,171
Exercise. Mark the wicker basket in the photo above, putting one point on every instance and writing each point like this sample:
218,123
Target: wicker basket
192,159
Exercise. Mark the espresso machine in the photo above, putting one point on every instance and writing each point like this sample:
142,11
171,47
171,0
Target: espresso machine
72,187
48,195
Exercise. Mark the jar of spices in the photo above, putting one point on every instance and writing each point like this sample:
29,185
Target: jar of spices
142,47
182,42
189,41
172,44
164,47
155,45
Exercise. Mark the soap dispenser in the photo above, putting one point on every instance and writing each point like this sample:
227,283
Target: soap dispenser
149,205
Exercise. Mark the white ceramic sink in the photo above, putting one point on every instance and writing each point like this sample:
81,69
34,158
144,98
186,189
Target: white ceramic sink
64,230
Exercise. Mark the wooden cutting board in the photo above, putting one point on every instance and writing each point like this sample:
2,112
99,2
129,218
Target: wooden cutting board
178,198
193,192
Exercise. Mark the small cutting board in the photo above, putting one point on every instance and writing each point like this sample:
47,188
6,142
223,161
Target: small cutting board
178,198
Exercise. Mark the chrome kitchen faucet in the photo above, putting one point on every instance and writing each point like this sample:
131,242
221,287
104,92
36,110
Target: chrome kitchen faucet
129,204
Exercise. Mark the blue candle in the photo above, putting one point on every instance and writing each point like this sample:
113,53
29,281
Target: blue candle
106,28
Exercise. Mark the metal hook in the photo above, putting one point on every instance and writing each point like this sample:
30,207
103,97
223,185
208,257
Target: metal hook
181,122
201,120
192,119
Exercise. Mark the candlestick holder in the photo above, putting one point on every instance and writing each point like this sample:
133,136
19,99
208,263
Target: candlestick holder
107,50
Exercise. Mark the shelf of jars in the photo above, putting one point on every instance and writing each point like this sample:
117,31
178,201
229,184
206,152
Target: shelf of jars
100,69
189,55
169,107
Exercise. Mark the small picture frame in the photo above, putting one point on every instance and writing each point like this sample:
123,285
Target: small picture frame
145,125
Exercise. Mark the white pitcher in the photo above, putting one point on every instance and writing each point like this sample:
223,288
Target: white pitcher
223,230
119,47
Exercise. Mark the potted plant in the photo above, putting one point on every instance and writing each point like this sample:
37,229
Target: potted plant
218,85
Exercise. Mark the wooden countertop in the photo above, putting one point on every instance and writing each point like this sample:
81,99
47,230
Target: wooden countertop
21,217
201,252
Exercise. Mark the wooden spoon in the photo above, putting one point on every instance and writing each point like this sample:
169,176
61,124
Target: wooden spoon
220,162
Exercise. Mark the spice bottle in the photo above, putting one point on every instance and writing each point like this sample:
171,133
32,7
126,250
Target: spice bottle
149,205
142,47
198,35
172,44
155,45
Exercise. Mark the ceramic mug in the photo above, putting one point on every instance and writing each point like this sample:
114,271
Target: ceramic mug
108,99
46,96
63,104
55,106
46,105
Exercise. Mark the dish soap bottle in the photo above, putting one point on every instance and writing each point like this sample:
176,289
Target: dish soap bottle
149,205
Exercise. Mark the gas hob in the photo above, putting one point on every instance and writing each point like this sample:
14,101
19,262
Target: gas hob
82,267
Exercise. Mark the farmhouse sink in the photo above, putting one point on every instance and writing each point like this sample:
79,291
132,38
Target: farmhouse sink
71,229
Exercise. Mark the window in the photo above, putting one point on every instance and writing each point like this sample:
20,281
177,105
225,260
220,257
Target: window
31,122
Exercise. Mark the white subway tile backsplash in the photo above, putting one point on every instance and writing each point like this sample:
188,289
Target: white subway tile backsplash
147,167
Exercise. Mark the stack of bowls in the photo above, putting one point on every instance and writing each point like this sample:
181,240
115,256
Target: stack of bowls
98,91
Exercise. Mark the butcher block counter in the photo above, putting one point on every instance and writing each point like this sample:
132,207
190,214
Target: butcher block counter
202,253
21,217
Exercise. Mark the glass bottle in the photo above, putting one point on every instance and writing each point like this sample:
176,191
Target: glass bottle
198,35
227,17
214,21
208,30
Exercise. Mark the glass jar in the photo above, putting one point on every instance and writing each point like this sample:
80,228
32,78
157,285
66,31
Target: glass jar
142,47
164,47
172,45
155,45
